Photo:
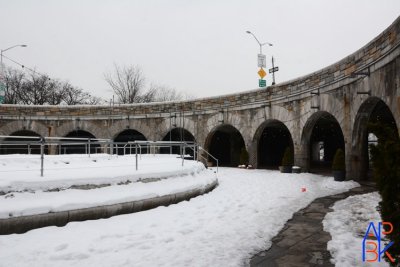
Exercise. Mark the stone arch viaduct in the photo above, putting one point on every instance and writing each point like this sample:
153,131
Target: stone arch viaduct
314,114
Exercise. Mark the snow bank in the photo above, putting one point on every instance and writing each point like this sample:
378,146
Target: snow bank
22,172
222,228
27,203
347,225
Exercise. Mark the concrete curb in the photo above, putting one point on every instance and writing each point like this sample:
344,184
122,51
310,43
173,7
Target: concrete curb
23,224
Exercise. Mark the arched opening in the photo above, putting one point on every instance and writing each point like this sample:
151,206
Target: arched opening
121,142
225,143
79,146
273,137
29,144
323,136
372,111
178,135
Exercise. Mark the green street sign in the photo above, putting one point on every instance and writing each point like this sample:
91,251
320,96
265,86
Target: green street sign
262,83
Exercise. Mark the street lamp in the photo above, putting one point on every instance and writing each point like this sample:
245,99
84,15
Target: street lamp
4,50
261,62
261,44
2,85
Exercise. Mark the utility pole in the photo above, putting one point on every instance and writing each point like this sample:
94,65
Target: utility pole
273,70
261,61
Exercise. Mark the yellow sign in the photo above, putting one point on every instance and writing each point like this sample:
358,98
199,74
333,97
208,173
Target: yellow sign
262,73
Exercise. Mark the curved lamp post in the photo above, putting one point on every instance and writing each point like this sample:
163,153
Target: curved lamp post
261,44
2,85
4,50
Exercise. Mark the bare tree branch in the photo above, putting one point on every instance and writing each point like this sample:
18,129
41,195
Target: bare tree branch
163,93
37,89
127,83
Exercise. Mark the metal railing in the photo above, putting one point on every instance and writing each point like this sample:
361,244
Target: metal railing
69,145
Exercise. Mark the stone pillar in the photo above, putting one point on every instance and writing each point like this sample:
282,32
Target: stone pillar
301,157
52,149
252,149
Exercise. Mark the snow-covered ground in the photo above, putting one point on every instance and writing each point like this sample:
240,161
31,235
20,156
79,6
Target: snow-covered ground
222,228
22,172
347,225
28,203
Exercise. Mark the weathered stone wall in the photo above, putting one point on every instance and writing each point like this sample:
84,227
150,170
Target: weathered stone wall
333,89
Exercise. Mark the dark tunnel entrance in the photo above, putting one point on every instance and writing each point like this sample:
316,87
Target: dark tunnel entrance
26,145
326,138
272,143
226,143
178,135
121,142
81,146
372,111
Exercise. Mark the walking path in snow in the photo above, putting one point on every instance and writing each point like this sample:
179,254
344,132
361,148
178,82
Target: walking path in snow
303,242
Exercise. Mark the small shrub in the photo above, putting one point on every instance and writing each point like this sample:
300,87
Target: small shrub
339,163
287,159
244,157
386,167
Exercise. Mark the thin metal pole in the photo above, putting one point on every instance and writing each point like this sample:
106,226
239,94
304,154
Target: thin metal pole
41,156
170,129
89,148
273,71
136,157
183,158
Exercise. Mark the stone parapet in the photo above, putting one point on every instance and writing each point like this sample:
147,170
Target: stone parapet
329,78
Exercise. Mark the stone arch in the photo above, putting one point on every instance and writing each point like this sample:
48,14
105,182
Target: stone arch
322,135
93,128
125,136
27,142
372,110
80,145
28,125
272,138
180,135
140,125
225,142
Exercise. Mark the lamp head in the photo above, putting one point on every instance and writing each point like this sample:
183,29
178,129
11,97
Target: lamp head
249,32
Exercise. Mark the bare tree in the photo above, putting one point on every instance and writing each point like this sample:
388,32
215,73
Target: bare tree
94,100
127,83
163,93
13,80
37,89
75,96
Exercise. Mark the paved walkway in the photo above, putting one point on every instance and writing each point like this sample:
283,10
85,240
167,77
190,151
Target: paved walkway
303,242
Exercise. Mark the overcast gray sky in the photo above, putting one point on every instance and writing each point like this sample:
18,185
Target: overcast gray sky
198,47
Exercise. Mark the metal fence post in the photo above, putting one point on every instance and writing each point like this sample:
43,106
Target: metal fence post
89,147
136,157
182,156
41,156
